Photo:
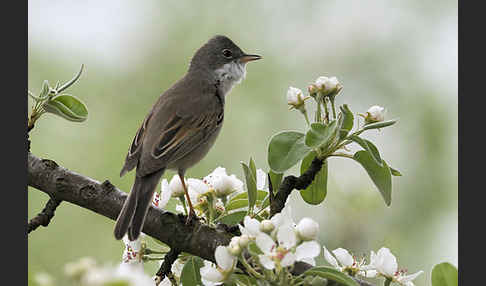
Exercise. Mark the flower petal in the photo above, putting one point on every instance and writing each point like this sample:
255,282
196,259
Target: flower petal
165,195
408,278
210,273
252,225
309,260
388,261
329,258
308,249
288,259
266,261
343,257
223,257
286,236
265,243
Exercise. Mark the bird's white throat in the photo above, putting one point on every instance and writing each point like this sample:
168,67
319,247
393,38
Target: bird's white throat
229,75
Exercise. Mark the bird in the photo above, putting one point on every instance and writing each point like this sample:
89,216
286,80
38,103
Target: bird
180,128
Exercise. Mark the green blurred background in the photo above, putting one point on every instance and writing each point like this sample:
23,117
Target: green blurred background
397,54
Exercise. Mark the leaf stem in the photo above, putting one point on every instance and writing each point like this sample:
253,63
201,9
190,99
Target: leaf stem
249,268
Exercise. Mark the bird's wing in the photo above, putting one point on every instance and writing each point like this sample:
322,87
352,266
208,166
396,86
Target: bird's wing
182,130
134,152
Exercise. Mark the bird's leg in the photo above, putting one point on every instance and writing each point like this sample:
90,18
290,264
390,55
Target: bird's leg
191,214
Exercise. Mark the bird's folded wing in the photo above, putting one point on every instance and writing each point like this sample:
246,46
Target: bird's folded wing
178,138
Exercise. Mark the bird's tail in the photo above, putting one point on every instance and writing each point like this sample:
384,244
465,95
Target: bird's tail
134,211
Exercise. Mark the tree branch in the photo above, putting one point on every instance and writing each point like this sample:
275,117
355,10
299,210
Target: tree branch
44,217
107,200
292,182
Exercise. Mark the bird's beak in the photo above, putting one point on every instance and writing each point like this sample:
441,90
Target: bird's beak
248,58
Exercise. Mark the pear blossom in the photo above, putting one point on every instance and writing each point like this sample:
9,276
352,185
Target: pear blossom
109,275
211,275
161,200
307,229
295,98
343,261
77,269
385,264
375,114
132,253
43,279
266,225
176,187
328,86
251,227
234,247
282,218
222,183
286,252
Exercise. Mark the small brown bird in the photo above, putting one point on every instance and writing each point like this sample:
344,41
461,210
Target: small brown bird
181,127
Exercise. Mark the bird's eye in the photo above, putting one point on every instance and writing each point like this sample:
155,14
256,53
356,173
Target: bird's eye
227,53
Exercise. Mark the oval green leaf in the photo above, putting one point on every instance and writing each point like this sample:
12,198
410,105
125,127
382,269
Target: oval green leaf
320,134
444,274
331,274
236,204
275,180
368,146
380,175
379,124
316,192
190,274
68,107
232,218
250,178
285,150
347,122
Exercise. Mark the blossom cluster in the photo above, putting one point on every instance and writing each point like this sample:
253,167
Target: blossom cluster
281,242
382,264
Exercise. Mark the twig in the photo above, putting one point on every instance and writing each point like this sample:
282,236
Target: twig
166,266
292,182
44,217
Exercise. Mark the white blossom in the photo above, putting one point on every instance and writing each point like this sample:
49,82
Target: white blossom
267,226
282,251
123,273
342,260
132,252
307,229
211,275
295,97
77,269
328,85
43,279
385,264
222,183
176,187
375,114
251,227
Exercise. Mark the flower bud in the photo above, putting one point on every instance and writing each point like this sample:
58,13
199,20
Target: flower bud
328,86
176,187
375,114
312,89
244,240
307,229
266,226
295,98
234,246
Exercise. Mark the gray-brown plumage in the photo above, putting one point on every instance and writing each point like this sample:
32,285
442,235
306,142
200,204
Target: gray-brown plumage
181,127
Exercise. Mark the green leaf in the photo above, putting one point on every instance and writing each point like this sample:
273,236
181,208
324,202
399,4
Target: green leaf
368,146
232,218
347,123
236,204
190,274
380,175
320,135
331,274
68,107
444,274
250,185
276,179
252,195
395,172
242,279
244,196
285,150
379,124
317,190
